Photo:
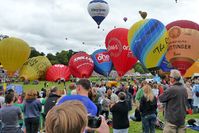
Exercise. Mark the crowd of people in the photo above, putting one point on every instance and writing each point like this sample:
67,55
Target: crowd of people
68,111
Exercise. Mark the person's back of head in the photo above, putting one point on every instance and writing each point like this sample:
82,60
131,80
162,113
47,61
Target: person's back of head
175,76
148,93
85,84
69,117
122,96
9,98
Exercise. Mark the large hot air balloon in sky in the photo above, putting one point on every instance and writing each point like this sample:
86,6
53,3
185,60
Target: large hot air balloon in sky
183,45
102,62
35,68
98,10
81,65
148,39
117,46
13,53
58,72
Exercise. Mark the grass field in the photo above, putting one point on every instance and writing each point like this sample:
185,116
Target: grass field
135,127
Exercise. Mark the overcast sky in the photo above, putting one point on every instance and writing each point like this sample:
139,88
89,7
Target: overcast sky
44,24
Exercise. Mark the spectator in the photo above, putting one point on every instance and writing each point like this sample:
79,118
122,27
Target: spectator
190,95
196,95
120,115
2,99
155,90
70,117
51,100
105,106
32,109
128,97
140,92
83,87
9,115
175,98
112,96
148,106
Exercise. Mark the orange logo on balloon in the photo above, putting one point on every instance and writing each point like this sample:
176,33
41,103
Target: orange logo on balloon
174,32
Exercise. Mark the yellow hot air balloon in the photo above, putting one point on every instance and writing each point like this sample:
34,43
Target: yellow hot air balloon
193,69
13,53
35,68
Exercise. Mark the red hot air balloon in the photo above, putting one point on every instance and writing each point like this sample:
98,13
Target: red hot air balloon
58,72
119,51
183,45
81,65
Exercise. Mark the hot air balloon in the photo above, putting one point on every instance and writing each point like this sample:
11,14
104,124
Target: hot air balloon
143,14
125,19
98,10
35,68
58,72
102,62
13,53
148,39
81,65
118,49
183,45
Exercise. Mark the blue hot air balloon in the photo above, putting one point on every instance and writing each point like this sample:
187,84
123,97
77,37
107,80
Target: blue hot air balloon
102,62
166,66
98,10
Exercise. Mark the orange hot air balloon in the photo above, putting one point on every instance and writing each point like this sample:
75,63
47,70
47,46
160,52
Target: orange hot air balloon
183,48
193,69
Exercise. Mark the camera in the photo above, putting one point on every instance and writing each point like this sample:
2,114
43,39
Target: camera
94,122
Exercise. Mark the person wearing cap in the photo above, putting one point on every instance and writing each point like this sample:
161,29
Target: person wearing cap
175,98
83,86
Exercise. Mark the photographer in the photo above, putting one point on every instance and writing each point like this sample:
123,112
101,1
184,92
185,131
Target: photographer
71,117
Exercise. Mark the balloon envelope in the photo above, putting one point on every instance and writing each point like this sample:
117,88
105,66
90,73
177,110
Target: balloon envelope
58,72
148,39
102,62
81,65
98,10
193,69
35,68
125,19
166,66
13,53
118,49
183,45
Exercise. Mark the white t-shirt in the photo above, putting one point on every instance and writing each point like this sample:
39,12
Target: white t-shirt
155,92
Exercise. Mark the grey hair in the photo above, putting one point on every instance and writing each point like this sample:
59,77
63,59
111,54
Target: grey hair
175,74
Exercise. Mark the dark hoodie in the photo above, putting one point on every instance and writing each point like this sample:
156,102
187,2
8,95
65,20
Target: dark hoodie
32,108
50,102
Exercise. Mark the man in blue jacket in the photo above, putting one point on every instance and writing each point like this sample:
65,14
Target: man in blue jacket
83,87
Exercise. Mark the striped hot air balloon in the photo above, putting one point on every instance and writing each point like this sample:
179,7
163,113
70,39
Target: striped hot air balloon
148,39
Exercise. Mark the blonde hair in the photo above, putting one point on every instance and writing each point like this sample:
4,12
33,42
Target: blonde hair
148,93
69,117
31,94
